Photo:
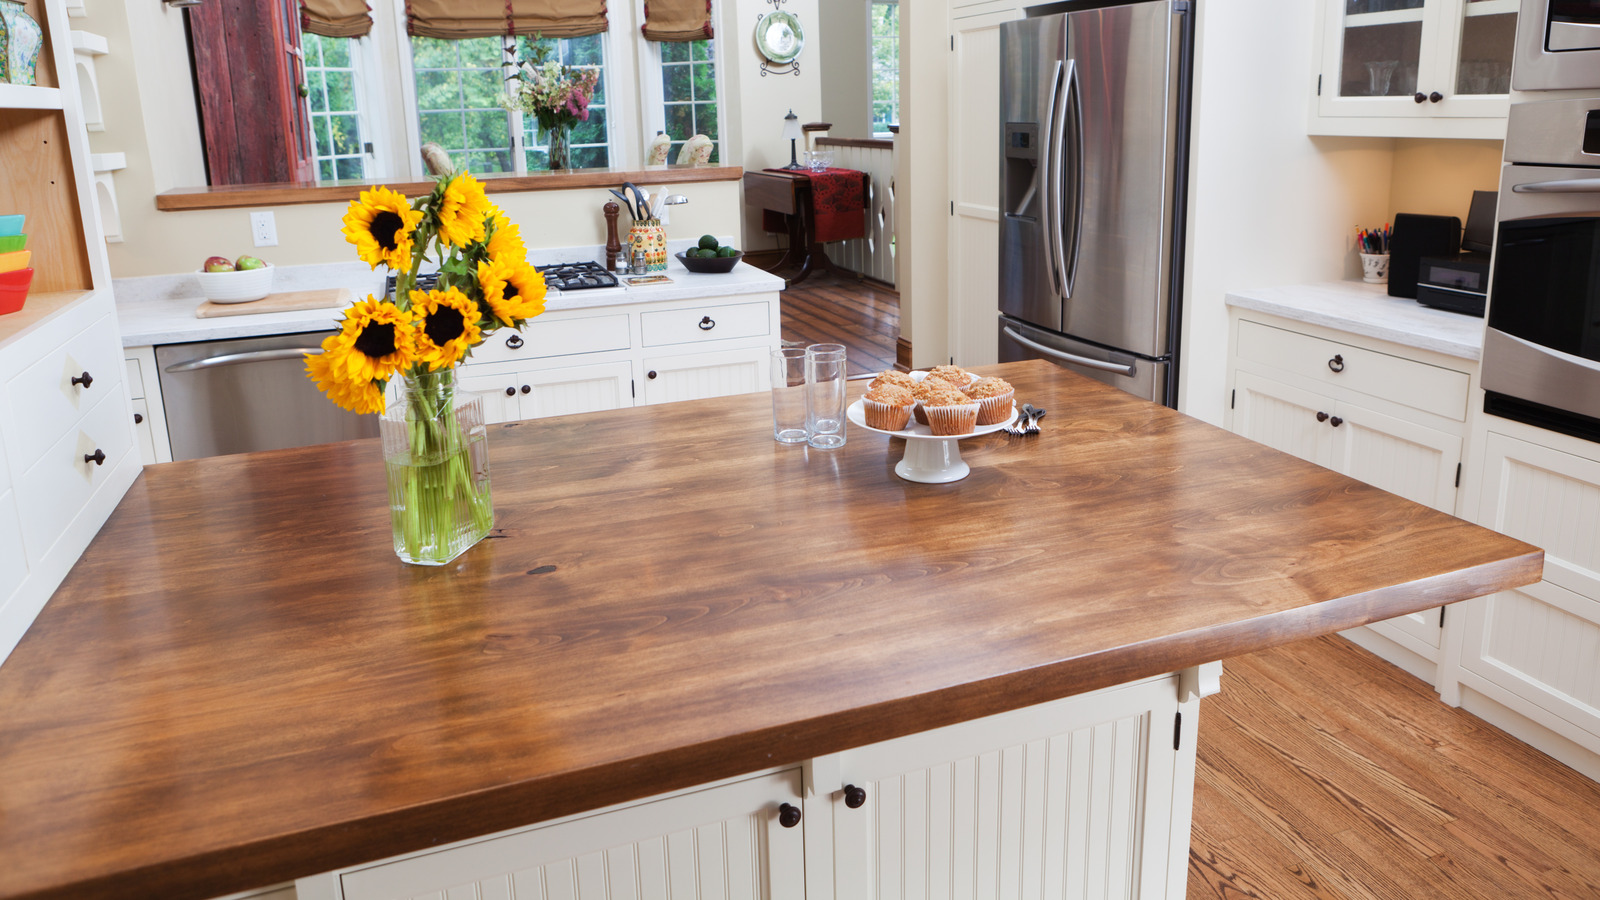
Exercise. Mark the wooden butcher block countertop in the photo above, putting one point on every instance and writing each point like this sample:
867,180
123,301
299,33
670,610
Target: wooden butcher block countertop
239,684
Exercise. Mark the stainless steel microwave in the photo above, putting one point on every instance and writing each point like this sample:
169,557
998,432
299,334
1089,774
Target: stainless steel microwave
1558,45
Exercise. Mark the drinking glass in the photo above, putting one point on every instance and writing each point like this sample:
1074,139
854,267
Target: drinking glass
825,390
789,395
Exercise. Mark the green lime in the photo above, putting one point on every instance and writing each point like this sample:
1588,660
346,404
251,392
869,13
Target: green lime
707,242
727,251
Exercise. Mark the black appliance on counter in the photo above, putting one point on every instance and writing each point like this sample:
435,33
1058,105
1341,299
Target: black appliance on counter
1460,282
1417,236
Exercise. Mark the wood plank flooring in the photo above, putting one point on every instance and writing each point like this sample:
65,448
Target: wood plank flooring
864,316
1326,773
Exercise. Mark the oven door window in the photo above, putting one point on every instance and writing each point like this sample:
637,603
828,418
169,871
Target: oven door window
1547,283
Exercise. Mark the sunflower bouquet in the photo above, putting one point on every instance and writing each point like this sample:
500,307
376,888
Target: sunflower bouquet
435,449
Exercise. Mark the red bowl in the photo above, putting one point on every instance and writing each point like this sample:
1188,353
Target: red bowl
14,289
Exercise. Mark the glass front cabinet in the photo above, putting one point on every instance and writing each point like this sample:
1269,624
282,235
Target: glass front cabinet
1414,68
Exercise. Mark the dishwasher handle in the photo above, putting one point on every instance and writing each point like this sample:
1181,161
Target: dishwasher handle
1119,368
239,359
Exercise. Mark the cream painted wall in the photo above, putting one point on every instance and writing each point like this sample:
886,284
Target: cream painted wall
1268,205
150,115
1437,178
922,184
845,51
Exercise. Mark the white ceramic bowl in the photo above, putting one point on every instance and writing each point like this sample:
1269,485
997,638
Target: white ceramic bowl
236,286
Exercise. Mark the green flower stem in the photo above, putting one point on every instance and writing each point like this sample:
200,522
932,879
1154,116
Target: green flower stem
442,505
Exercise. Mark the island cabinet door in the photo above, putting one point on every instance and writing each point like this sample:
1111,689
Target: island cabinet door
1071,799
700,375
726,842
1281,416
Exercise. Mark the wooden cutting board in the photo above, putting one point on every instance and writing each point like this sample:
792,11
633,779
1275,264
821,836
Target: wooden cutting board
331,298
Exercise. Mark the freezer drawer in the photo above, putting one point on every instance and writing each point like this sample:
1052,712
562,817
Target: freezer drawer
1140,376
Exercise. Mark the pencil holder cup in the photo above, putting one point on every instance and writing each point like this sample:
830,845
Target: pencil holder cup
1375,268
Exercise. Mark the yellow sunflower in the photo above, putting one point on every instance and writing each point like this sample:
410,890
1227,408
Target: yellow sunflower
505,242
381,225
513,291
447,326
376,340
462,211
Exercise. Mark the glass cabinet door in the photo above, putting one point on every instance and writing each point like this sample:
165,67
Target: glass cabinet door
1483,57
1382,48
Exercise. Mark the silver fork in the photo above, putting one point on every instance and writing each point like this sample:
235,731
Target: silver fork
1027,421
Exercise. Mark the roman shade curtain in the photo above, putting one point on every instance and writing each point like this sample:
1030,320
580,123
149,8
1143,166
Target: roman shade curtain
677,20
456,19
336,18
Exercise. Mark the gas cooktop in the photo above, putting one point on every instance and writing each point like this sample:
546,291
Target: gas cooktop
577,276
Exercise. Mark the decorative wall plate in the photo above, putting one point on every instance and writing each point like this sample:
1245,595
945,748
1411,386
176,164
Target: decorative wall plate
779,37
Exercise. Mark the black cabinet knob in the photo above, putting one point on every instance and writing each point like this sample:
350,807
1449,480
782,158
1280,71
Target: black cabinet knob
511,392
514,341
138,418
707,323
1336,421
854,796
526,389
1420,96
788,815
98,457
85,379
1435,97
1337,363
1322,416
650,374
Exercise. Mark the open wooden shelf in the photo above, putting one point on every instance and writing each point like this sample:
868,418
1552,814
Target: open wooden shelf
25,96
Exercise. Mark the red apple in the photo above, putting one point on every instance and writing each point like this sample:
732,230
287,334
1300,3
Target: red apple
219,264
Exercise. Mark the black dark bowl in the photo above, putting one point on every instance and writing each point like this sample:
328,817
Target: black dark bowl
710,265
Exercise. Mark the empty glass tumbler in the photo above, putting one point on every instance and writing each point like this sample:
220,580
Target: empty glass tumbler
825,391
789,395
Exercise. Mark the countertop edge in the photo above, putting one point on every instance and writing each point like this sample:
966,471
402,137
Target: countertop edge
357,842
1368,311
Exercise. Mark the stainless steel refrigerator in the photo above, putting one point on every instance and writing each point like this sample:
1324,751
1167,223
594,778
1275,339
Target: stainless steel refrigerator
1094,149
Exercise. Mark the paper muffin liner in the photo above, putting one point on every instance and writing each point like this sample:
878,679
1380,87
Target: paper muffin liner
996,409
885,416
918,412
958,419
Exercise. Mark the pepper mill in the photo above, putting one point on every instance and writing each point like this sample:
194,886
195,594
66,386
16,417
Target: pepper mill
613,245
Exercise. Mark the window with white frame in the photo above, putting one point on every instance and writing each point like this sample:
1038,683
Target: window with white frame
333,109
885,24
459,86
689,93
590,140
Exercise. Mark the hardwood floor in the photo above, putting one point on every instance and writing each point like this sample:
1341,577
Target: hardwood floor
863,316
1326,773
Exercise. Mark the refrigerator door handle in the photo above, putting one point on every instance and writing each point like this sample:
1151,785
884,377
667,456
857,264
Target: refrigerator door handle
1049,177
1067,113
1119,368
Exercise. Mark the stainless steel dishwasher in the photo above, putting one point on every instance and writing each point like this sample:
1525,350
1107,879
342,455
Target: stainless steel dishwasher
246,394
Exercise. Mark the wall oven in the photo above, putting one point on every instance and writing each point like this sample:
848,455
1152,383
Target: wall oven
1558,45
1541,350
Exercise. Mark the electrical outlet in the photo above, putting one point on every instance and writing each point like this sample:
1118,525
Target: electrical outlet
264,229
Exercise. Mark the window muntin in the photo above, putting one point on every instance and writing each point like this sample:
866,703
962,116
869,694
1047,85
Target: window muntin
885,22
689,93
333,108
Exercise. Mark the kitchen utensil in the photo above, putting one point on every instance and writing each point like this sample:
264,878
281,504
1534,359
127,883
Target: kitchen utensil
789,395
632,213
641,203
825,390
707,265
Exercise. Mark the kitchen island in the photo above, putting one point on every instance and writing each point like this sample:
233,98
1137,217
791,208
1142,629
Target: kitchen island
239,685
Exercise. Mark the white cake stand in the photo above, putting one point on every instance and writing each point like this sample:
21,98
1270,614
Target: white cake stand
929,458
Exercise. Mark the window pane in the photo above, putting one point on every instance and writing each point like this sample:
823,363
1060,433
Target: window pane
680,122
316,80
675,51
459,87
335,53
346,136
705,82
885,96
325,170
324,140
704,50
332,106
443,129
487,130
588,52
479,52
438,90
589,158
675,84
482,90
350,169
432,53
341,90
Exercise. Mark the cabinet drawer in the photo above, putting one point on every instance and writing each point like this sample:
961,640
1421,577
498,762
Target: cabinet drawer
704,323
60,484
13,562
44,396
556,337
1410,383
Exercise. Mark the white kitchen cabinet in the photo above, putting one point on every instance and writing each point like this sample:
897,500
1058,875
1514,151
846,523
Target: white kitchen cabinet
696,376
1534,651
1068,799
722,842
516,394
1362,408
975,180
1377,57
149,417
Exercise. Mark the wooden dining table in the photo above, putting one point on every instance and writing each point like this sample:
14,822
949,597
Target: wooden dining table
790,194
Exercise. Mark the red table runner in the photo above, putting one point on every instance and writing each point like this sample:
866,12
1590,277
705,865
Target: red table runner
838,203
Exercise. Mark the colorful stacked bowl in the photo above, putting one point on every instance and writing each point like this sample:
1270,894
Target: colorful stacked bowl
15,275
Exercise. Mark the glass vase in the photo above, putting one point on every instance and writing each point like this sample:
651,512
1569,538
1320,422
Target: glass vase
436,453
558,143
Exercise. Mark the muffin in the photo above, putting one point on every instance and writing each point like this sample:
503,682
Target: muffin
950,412
921,391
994,397
887,407
954,374
894,377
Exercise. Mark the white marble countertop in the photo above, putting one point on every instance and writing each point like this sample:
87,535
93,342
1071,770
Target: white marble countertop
161,309
1368,310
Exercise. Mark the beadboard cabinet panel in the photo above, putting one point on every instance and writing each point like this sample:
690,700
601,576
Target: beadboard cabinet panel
700,375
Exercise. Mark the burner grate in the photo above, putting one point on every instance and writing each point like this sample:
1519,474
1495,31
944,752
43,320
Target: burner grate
577,276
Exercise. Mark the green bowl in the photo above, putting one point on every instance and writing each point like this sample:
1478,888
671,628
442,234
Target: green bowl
13,242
